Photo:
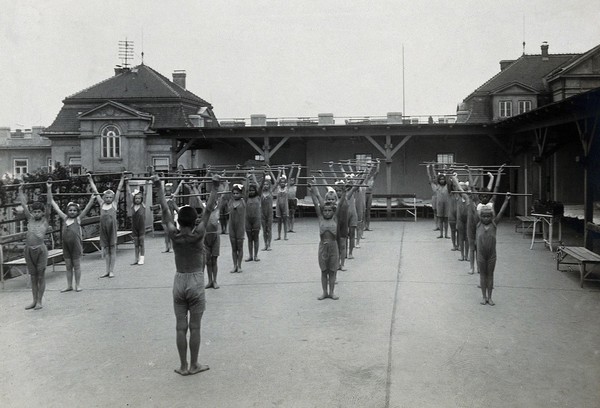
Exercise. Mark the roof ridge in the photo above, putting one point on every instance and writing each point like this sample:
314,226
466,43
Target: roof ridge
162,79
91,86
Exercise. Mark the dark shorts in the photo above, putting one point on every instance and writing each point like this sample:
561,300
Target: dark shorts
36,259
212,244
188,293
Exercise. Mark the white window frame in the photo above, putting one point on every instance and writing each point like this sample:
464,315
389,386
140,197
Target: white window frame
75,165
19,167
362,160
524,106
505,109
162,167
445,158
110,137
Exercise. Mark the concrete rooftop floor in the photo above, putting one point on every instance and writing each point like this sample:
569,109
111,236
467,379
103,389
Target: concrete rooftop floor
407,331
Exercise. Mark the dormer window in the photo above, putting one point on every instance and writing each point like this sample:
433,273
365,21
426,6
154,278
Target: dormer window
524,106
111,142
505,109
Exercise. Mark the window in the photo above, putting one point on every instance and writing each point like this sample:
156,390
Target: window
20,167
505,109
111,142
445,158
160,163
362,160
524,106
75,166
50,166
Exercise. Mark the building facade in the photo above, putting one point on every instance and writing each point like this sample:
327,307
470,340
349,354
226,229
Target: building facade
120,123
24,151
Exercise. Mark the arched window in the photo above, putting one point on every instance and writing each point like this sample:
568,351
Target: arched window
111,142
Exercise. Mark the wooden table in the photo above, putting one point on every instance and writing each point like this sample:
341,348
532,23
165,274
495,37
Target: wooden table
547,220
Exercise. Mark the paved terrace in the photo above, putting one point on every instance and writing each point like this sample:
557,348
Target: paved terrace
407,331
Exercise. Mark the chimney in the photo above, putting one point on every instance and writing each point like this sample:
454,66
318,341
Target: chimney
505,63
179,77
119,70
545,51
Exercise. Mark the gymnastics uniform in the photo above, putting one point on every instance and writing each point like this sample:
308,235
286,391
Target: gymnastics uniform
368,205
138,221
71,240
212,239
461,221
352,215
224,209
253,213
266,210
36,252
292,200
237,219
360,205
442,200
108,226
486,254
282,206
329,254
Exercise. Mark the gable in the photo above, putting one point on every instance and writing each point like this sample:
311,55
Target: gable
590,66
514,88
114,111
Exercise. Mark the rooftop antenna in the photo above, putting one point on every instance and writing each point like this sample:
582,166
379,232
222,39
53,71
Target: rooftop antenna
142,45
523,34
125,52
403,93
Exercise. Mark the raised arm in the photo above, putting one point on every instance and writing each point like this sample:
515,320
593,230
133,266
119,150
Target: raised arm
23,201
212,200
95,189
167,217
502,209
119,188
333,173
490,184
497,185
88,206
52,203
316,197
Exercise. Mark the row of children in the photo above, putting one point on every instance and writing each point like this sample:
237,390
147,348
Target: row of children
471,215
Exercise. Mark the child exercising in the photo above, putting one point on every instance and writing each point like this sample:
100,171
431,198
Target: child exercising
137,212
212,240
253,218
71,237
282,205
36,253
328,248
266,208
237,224
292,198
188,287
486,249
108,224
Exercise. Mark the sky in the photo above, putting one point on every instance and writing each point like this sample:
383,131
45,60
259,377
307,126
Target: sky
279,58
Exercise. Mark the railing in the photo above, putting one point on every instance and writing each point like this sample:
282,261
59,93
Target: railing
330,120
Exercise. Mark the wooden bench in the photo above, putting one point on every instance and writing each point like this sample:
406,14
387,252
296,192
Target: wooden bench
122,236
54,256
583,258
409,208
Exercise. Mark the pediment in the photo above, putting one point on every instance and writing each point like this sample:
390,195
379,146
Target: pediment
114,110
514,88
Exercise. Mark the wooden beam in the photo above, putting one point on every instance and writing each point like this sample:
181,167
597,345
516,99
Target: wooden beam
281,143
399,145
500,145
254,145
374,143
184,148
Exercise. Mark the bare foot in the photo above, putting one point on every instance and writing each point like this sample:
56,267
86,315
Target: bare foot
333,297
268,249
323,296
256,260
183,370
249,259
278,239
350,256
165,251
285,239
233,271
31,306
209,285
197,368
78,289
66,290
38,306
491,302
483,302
471,271
440,236
104,276
453,249
265,249
215,286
